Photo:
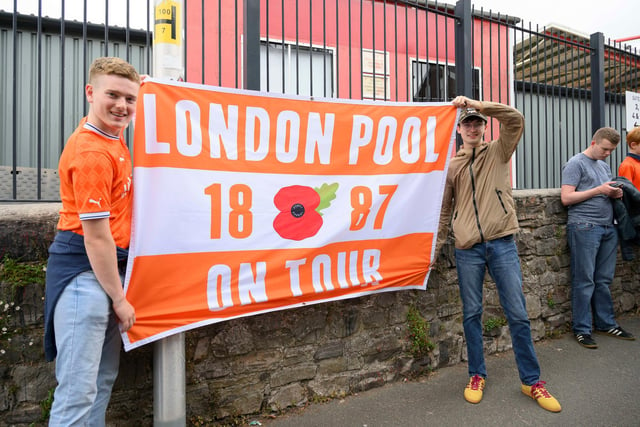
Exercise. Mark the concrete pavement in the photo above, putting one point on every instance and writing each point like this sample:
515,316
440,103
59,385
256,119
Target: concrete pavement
598,387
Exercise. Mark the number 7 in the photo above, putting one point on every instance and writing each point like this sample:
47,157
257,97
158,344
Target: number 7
388,191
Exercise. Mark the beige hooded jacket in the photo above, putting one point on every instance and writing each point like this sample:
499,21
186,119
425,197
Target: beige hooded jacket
477,197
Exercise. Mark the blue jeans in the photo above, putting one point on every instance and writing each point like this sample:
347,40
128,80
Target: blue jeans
88,343
501,258
593,265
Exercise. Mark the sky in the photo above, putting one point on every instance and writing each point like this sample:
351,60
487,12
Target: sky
614,18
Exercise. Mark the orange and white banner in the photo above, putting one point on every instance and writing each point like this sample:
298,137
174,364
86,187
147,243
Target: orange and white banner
246,202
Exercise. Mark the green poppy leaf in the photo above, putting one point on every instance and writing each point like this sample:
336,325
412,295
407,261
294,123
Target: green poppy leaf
327,193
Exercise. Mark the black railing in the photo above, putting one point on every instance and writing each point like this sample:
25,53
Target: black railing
565,84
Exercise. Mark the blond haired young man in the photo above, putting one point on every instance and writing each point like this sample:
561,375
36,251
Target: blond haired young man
85,305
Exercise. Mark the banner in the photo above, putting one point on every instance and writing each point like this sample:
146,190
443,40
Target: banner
246,202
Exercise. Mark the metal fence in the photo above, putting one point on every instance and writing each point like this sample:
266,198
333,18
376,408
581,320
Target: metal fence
45,66
565,84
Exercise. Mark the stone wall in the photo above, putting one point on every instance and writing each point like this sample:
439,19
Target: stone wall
268,363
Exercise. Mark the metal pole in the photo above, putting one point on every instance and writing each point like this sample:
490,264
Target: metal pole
169,371
463,51
597,82
168,40
251,47
464,48
169,400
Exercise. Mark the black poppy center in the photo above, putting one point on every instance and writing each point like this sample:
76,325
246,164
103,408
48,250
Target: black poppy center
297,210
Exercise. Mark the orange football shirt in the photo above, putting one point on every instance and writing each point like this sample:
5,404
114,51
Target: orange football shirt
630,169
95,182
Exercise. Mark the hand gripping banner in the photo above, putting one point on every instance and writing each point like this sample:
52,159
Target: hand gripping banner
247,202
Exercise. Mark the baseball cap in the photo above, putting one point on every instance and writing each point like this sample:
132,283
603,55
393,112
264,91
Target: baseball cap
471,112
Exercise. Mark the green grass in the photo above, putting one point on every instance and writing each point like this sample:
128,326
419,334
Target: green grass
20,274
418,333
493,323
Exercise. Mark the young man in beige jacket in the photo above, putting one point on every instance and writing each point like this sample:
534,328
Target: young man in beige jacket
479,206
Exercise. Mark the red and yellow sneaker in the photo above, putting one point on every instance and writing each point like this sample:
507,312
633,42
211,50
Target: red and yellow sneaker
473,390
539,393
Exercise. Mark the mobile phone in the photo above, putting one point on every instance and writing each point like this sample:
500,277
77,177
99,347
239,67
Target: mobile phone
616,184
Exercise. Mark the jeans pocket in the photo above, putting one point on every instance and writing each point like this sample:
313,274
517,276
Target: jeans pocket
582,226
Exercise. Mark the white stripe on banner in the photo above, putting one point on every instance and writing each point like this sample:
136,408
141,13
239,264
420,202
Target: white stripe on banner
170,228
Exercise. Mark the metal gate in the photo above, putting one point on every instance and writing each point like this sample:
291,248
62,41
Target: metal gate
565,84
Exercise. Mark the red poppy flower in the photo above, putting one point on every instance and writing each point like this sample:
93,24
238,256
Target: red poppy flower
298,218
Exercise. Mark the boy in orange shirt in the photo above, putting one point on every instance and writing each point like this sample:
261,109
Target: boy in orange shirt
85,304
630,169
630,166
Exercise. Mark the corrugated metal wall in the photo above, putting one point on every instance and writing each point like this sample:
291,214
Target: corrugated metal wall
60,112
556,129
43,82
